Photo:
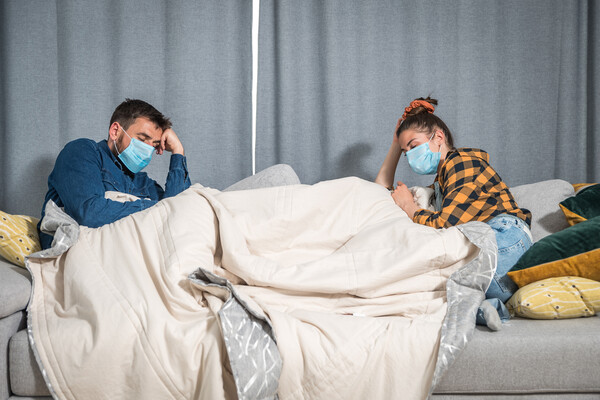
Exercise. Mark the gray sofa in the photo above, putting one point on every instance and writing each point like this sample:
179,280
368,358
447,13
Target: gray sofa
528,359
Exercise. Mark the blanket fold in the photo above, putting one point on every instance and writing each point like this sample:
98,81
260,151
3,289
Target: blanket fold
248,336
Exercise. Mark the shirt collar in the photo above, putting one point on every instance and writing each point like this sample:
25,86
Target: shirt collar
103,145
437,177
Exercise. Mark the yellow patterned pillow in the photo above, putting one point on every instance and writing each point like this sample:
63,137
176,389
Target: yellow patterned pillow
18,237
557,298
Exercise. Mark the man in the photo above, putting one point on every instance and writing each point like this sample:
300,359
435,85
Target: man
86,172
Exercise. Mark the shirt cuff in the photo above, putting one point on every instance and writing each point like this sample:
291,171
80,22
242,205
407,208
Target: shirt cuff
421,216
178,161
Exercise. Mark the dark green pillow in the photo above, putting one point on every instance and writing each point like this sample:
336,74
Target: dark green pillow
574,251
583,206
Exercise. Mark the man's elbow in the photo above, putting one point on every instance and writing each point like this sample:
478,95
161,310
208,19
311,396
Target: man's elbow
90,214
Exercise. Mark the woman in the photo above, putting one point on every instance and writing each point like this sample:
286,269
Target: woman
467,189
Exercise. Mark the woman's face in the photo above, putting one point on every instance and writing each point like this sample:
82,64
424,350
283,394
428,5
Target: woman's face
411,138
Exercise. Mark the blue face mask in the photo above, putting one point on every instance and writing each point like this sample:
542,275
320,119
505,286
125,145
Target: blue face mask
137,155
422,160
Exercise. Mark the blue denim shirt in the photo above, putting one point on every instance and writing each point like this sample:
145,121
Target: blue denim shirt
85,170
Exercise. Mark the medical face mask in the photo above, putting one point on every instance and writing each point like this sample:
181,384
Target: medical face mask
137,155
422,160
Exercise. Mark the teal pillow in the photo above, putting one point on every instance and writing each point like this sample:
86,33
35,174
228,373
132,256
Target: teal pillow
583,206
574,251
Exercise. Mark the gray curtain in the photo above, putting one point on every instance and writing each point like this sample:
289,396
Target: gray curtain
516,78
66,65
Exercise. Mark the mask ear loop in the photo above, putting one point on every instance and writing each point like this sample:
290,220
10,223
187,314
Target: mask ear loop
115,142
440,148
117,148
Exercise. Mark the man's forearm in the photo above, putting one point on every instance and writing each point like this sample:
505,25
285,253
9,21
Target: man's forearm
178,178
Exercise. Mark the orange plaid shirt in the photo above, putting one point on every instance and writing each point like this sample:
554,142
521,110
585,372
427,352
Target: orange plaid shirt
471,190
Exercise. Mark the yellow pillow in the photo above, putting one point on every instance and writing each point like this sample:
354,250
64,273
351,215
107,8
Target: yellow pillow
18,237
557,298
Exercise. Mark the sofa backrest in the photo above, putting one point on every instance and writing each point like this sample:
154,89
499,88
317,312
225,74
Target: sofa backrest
542,198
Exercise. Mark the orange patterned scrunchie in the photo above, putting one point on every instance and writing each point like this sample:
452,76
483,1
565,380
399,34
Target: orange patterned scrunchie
414,104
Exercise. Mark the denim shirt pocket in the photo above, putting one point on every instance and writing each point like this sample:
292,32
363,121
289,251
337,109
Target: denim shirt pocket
142,193
149,192
142,187
109,181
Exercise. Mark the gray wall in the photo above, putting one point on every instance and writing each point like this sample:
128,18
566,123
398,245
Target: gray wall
518,79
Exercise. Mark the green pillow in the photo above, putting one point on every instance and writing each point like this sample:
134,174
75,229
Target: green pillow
574,251
583,206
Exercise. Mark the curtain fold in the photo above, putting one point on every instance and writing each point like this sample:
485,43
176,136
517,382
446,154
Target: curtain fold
30,122
513,78
66,65
592,145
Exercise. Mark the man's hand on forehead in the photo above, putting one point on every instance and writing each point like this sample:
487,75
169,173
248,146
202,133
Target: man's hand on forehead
170,142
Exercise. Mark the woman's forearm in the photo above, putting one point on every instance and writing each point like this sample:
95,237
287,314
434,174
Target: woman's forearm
385,177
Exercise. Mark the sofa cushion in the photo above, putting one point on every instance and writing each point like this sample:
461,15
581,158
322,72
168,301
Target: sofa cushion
583,206
25,376
15,288
8,327
572,251
557,298
542,199
276,175
18,237
529,356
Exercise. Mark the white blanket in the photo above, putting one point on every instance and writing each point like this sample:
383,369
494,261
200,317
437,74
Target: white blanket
354,290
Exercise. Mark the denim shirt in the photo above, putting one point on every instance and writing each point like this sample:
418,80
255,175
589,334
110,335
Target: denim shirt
85,170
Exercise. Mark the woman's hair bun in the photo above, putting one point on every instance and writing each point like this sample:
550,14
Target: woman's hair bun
417,106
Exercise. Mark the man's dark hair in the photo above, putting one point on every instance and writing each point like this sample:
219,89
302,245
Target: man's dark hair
126,113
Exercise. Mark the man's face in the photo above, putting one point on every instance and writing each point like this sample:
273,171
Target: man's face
142,129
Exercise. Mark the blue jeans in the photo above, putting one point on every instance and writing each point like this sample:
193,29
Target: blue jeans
513,239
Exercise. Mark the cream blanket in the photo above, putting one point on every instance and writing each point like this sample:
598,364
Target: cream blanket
354,291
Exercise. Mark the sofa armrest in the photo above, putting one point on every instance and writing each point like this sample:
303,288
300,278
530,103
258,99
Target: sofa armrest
15,288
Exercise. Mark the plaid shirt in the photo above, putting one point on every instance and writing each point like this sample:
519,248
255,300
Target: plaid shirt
471,191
